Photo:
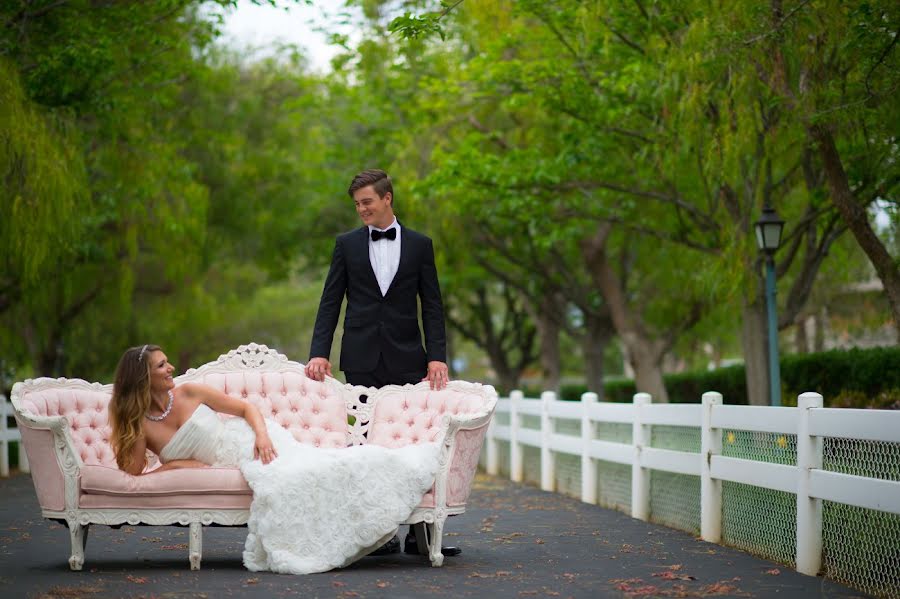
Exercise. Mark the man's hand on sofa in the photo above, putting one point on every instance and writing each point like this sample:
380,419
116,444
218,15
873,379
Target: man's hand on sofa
317,368
438,375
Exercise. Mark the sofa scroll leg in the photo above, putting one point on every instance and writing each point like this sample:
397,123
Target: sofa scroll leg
195,547
437,536
78,534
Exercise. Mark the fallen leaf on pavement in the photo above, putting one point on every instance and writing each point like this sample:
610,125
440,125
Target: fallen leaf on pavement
72,591
669,575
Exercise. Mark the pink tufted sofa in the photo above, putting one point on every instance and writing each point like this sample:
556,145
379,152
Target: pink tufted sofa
65,433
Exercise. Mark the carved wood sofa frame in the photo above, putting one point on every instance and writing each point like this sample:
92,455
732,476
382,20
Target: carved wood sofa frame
65,433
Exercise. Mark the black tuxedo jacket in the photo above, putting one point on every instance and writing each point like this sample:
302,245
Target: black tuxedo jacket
376,325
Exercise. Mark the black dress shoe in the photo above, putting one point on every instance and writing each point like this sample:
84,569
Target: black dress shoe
392,546
410,545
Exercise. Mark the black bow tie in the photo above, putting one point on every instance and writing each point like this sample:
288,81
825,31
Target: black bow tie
389,234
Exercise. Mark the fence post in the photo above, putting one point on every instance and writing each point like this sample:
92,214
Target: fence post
4,439
548,466
23,458
493,459
588,467
640,477
809,509
515,449
710,488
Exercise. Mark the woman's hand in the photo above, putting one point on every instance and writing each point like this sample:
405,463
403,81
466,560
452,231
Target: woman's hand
264,450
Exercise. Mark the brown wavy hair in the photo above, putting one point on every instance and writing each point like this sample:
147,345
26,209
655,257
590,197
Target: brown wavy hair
377,178
130,402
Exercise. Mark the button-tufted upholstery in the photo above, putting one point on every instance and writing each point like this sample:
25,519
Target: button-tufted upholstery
314,412
87,415
414,416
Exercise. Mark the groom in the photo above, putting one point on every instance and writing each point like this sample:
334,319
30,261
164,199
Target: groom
382,268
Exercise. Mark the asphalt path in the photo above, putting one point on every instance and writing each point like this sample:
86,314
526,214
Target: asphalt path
517,541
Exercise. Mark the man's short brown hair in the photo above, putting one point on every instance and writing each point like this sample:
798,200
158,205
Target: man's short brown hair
375,177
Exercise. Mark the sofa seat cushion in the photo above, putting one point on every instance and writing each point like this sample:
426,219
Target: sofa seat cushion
103,480
165,502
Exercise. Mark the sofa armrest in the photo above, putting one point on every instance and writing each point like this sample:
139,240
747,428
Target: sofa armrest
460,450
55,465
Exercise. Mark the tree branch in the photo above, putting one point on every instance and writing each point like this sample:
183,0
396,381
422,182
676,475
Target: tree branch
779,23
624,38
887,50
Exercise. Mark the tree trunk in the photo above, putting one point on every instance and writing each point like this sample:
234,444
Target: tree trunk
646,354
647,363
598,333
507,377
44,353
819,334
754,339
185,359
857,219
801,339
547,320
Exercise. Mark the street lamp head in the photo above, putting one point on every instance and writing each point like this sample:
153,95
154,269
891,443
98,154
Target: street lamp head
768,230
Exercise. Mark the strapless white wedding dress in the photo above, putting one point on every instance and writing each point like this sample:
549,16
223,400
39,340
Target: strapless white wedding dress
313,509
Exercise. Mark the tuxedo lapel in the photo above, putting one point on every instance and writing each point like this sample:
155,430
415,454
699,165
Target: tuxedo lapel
404,257
361,241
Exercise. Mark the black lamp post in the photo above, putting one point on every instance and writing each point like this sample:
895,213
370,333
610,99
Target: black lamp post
768,238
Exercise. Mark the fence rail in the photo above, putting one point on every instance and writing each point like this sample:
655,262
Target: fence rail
8,435
780,450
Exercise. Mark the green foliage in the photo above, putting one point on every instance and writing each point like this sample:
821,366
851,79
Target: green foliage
157,188
43,186
838,374
412,27
857,378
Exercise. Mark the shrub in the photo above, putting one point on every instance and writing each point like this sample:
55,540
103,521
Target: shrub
852,378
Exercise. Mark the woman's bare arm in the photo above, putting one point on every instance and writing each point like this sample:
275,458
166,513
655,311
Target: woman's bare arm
138,457
220,402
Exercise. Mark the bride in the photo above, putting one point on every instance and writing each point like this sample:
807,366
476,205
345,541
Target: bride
312,510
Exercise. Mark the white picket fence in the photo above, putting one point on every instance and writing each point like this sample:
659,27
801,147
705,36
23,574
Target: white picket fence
8,435
810,422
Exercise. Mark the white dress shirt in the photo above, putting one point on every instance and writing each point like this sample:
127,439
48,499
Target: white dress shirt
384,255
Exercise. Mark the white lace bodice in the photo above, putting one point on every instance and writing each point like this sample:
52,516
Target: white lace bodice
313,509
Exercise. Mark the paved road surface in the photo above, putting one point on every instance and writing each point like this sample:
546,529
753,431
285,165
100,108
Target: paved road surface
518,542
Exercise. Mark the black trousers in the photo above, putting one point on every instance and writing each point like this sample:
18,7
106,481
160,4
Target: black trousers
382,376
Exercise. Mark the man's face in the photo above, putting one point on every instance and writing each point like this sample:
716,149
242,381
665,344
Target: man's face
372,209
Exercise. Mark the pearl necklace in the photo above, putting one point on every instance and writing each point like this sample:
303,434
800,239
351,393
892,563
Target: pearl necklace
167,410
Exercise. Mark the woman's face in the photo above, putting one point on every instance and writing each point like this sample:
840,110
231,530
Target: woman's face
160,372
